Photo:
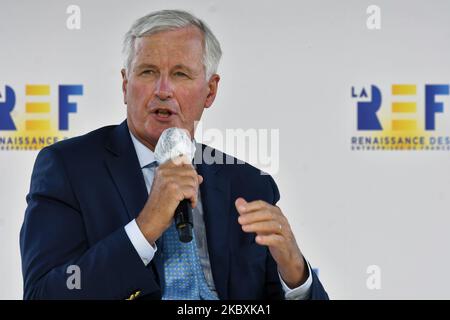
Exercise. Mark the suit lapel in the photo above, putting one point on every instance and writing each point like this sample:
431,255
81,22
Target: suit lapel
215,192
125,170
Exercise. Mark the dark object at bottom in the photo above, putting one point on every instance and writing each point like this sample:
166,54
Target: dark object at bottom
184,221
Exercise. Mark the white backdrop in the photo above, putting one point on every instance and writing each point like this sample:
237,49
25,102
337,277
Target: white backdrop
287,65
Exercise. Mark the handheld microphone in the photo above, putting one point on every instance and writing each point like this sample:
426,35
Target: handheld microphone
172,143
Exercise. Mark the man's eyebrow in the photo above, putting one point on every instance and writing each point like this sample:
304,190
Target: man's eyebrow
152,66
146,65
182,66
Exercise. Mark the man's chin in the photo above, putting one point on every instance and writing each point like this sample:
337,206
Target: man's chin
153,134
156,128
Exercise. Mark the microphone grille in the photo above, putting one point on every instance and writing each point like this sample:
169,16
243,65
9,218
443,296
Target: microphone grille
172,143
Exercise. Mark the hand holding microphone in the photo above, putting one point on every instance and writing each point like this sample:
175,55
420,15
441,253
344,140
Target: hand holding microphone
174,190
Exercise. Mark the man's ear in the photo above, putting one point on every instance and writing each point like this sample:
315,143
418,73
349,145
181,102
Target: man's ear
213,84
124,85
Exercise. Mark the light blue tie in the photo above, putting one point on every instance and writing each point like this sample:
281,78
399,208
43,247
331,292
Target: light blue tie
183,273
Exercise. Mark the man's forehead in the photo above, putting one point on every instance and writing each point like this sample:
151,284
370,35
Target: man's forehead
182,37
185,44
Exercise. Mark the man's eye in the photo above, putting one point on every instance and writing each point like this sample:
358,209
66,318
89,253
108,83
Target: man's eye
180,74
148,72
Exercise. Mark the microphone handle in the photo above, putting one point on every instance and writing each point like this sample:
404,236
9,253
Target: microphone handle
183,221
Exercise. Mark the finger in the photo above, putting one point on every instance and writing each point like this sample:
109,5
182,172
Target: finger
181,160
185,187
254,205
200,179
265,227
185,181
193,202
187,173
256,216
272,240
240,204
172,163
190,193
184,169
185,176
168,171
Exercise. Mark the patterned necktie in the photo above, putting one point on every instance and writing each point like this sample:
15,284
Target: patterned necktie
184,278
183,274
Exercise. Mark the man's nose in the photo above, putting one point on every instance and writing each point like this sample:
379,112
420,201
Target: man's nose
164,88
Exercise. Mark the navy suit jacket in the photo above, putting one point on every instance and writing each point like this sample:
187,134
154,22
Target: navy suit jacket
86,189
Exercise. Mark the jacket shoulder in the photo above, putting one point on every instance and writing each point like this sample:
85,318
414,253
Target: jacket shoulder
241,173
84,143
229,163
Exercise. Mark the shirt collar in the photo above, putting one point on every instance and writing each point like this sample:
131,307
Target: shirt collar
144,154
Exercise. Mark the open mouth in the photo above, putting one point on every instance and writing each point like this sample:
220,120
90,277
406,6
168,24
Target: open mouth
163,113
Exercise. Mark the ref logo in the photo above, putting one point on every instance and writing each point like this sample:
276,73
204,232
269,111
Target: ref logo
405,120
37,122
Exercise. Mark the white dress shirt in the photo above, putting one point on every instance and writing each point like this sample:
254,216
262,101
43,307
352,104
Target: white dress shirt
146,251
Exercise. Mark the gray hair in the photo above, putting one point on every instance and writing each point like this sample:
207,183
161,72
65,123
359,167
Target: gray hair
165,20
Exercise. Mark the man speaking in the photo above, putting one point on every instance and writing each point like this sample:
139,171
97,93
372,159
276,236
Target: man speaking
103,205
